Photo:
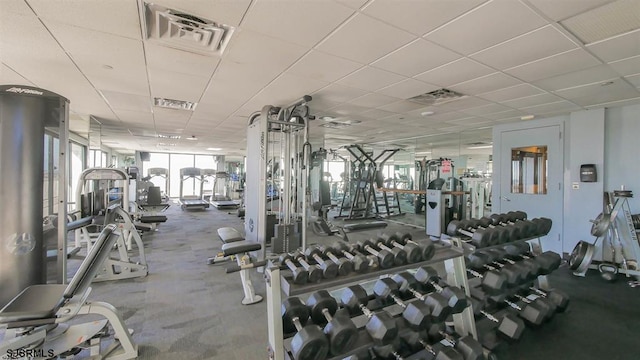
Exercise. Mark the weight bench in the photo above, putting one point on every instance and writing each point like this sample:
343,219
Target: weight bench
81,223
229,235
36,318
241,251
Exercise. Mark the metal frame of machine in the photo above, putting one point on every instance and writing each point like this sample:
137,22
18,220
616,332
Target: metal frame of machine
192,201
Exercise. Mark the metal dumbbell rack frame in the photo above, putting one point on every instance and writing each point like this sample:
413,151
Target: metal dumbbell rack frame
279,284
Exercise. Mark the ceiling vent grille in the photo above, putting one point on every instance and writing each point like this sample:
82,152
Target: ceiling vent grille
174,104
437,97
187,32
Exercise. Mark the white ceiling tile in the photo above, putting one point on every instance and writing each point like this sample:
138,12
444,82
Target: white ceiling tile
538,44
634,80
560,10
287,88
504,115
419,17
348,109
469,121
135,117
617,48
376,114
455,72
486,25
8,76
604,22
96,15
18,7
484,110
364,39
233,83
93,51
569,61
512,92
338,93
321,66
464,103
484,84
371,79
228,12
373,100
166,58
416,57
172,85
449,116
407,89
617,103
301,22
131,102
596,94
401,106
216,110
532,101
560,106
354,4
319,104
577,78
628,66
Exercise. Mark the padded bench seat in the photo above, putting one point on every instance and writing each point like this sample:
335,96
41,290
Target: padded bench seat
71,251
229,235
153,219
34,302
80,223
240,247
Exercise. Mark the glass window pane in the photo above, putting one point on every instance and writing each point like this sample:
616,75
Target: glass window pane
529,170
77,166
179,161
56,174
45,183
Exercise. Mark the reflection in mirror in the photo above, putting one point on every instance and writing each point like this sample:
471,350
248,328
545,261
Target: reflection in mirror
529,170
95,134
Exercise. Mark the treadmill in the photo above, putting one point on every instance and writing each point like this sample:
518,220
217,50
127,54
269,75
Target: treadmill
192,202
219,196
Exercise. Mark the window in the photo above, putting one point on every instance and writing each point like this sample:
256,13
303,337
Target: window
529,170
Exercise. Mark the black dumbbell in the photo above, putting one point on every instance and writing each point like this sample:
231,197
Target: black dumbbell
560,299
300,276
359,261
509,326
385,258
516,219
543,225
315,273
548,260
389,351
480,237
329,268
309,342
381,326
414,253
340,329
501,233
478,260
416,313
399,256
467,346
528,267
429,278
548,307
529,311
516,274
345,267
493,282
425,245
438,351
437,303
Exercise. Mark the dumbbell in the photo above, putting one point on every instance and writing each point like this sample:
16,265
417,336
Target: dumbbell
437,303
560,299
502,234
416,313
467,346
340,329
533,267
385,258
548,260
493,282
389,351
516,219
425,245
309,343
516,273
345,267
456,298
480,237
437,351
381,326
544,225
359,261
300,276
414,253
479,260
529,311
329,268
509,326
315,273
399,256
547,307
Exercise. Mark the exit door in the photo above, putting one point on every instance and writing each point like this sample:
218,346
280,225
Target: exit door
531,162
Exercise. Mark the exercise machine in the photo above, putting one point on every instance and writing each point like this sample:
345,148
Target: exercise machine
220,198
164,184
192,202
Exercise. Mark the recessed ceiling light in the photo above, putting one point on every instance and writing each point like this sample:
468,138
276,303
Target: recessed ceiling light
162,136
427,113
174,104
214,149
527,117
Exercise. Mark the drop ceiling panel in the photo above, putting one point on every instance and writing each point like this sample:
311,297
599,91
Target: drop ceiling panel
213,111
131,102
560,10
415,58
556,107
322,66
488,25
135,117
538,44
569,61
170,117
532,101
364,39
18,7
504,115
634,80
605,21
419,17
95,15
401,106
578,78
348,109
373,100
626,67
288,88
455,72
470,121
228,12
370,79
234,83
596,94
631,101
512,92
173,85
484,84
8,76
617,48
174,60
407,89
376,114
339,93
486,109
94,51
300,22
464,103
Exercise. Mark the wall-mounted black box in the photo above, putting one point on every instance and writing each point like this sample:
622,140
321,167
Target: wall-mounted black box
588,173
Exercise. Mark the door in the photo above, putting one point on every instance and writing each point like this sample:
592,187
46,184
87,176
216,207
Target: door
531,162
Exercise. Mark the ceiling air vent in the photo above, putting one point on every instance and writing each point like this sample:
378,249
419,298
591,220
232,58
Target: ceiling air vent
182,31
437,97
174,104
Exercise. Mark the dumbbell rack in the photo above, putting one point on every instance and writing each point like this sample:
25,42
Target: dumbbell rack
279,283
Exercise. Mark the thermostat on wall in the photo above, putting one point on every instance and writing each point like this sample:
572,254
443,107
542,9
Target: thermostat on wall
588,173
